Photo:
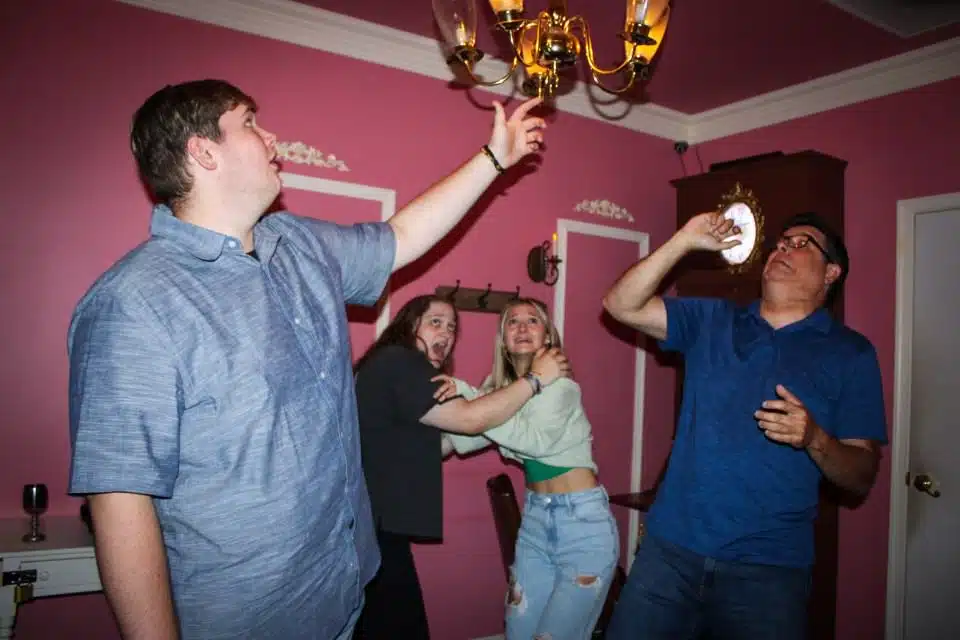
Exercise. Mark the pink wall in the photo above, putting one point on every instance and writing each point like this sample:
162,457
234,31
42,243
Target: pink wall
898,147
72,206
73,75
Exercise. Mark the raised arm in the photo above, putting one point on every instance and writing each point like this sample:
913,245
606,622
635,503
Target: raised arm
133,565
460,443
633,301
554,423
421,224
476,416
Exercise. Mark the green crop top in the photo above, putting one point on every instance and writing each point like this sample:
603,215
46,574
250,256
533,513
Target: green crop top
536,471
550,435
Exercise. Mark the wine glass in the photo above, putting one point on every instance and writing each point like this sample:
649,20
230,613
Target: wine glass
34,503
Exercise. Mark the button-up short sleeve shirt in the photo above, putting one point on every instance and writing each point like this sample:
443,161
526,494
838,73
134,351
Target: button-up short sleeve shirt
220,383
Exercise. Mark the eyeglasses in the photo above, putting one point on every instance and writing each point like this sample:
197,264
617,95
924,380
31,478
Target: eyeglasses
799,241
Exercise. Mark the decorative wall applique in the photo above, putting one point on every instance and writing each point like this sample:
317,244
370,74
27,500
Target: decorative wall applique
604,208
302,153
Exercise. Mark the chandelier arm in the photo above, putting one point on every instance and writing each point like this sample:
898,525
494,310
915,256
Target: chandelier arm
595,69
516,40
631,79
543,25
493,83
516,37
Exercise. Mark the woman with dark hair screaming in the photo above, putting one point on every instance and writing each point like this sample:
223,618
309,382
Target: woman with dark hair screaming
399,391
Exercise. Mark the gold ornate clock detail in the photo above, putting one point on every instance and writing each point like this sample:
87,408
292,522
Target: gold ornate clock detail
741,206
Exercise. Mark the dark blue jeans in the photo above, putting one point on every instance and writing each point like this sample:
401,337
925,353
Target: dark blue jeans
675,594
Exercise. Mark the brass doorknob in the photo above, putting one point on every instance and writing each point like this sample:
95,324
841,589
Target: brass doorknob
925,483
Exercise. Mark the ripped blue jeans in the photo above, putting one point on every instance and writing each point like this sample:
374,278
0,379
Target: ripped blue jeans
567,552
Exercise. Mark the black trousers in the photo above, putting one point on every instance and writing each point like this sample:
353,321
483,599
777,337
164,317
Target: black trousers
394,601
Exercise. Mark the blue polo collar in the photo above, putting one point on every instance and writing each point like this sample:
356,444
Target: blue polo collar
820,320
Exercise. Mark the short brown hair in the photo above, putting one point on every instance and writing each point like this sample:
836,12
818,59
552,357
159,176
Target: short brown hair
167,120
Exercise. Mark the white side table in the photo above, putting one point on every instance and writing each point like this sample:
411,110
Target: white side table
63,564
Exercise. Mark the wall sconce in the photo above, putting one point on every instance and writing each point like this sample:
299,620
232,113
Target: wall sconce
543,263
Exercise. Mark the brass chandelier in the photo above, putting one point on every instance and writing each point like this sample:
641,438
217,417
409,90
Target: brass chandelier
547,45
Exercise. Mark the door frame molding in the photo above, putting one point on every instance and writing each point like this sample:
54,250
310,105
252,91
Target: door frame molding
907,213
564,228
388,206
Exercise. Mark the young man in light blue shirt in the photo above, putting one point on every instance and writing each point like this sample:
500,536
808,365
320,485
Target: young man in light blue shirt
212,409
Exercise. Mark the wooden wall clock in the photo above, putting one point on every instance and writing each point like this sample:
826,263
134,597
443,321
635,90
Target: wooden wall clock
743,208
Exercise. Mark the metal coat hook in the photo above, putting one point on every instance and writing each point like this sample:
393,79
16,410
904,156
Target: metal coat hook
488,300
482,300
452,295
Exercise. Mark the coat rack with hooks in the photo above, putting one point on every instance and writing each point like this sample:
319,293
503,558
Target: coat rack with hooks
488,300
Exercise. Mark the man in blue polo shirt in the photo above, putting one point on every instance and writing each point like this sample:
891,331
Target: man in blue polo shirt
776,395
212,409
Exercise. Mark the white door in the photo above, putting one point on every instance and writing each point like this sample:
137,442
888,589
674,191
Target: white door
925,497
594,256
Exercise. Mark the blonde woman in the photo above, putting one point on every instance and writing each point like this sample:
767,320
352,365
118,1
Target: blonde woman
568,546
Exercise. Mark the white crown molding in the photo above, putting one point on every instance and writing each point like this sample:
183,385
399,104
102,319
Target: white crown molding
934,63
324,30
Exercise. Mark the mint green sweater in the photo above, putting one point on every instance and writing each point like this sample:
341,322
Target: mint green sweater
551,427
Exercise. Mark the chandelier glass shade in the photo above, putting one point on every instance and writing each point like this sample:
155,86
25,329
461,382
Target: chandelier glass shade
552,42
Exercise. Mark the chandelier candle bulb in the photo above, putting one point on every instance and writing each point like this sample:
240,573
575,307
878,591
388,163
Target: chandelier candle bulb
501,6
550,45
457,20
640,12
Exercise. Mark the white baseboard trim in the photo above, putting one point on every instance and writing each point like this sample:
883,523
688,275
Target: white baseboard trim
324,30
497,637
